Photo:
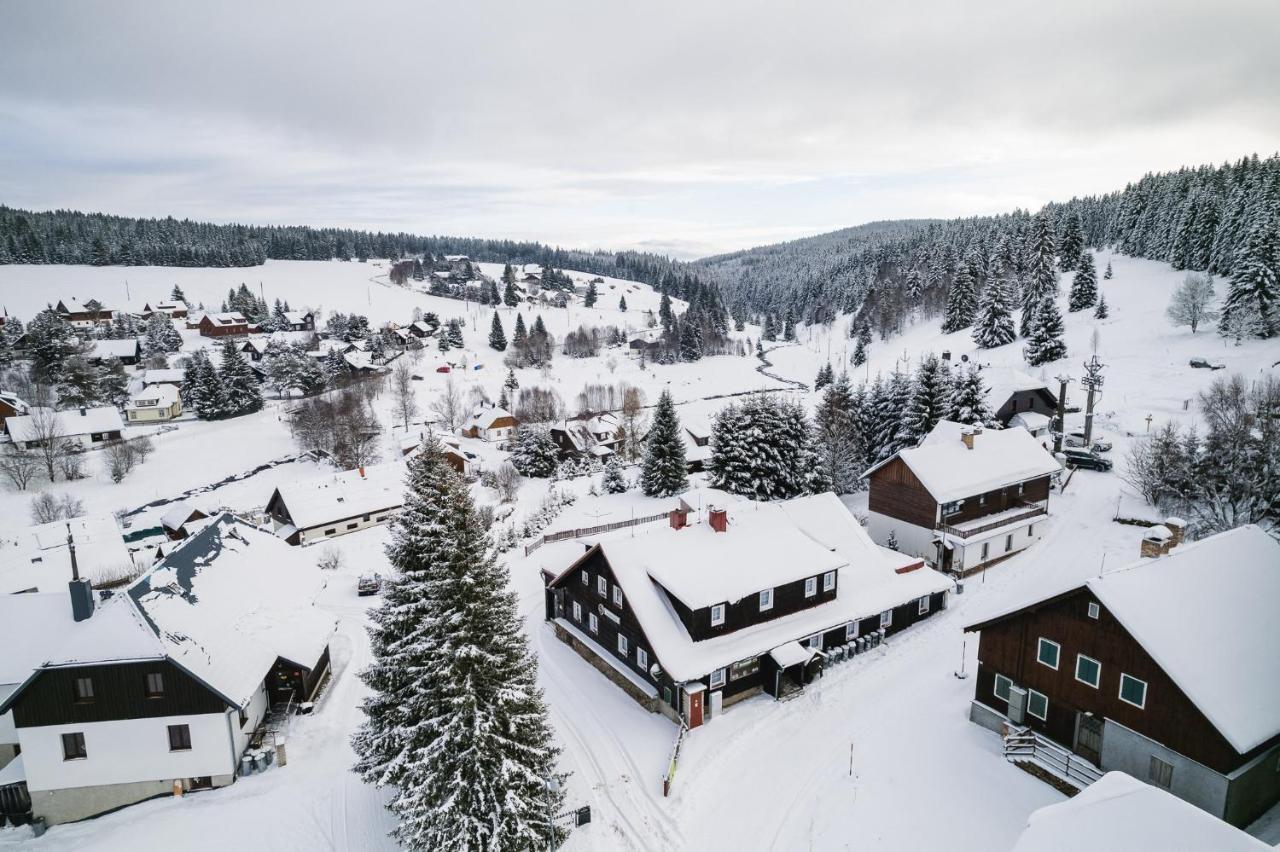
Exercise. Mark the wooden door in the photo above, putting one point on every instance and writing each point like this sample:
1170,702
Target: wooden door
695,709
1089,738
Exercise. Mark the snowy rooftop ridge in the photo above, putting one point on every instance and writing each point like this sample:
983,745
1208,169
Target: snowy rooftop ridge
1227,586
70,422
336,496
1119,814
950,470
38,556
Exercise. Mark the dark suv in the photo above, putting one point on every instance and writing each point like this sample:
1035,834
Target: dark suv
1086,460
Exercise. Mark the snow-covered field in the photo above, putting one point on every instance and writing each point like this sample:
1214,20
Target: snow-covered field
878,755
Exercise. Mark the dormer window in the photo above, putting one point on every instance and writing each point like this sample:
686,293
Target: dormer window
810,587
717,615
766,600
828,581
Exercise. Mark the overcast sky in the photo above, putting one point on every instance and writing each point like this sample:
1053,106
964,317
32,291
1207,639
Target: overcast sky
685,127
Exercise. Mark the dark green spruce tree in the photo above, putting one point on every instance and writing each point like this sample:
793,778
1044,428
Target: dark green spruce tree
663,472
497,337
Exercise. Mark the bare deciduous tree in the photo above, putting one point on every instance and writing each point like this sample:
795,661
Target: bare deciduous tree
403,393
633,422
20,466
45,508
506,480
448,405
1192,301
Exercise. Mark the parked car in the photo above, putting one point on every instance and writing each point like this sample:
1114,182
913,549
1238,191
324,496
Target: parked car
1083,458
1076,439
368,584
1206,364
442,369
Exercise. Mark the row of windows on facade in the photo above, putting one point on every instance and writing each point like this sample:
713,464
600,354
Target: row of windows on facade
954,506
355,524
1089,671
742,668
83,691
1008,543
73,745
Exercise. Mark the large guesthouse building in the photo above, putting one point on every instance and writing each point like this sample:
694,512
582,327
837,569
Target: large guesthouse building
726,598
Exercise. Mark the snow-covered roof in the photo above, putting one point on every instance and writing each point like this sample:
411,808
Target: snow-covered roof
1004,382
163,377
1119,814
586,431
1227,587
38,558
127,348
71,422
486,417
167,307
230,600
791,654
949,470
13,400
229,318
177,515
154,396
296,317
1032,421
75,306
335,496
868,582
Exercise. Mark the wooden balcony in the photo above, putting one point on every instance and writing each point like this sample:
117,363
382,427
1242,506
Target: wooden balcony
1013,515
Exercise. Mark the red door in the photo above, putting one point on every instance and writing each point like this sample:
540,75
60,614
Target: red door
695,709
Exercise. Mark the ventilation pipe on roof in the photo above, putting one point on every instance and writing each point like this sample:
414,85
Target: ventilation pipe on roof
81,589
966,435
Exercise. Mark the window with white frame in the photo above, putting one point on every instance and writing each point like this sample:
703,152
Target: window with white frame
851,631
886,618
922,607
1002,687
623,648
617,596
717,615
577,611
602,586
1094,610
1038,704
1088,670
586,578
766,600
1048,652
593,623
1133,691
828,581
642,658
810,587
717,678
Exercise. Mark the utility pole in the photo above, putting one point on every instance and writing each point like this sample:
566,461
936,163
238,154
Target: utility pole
1060,422
1092,383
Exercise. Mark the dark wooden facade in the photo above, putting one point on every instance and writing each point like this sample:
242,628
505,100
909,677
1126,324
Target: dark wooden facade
119,692
1040,400
290,679
897,493
787,599
1027,494
209,328
1008,646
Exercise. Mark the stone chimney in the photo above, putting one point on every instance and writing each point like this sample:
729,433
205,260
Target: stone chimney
967,433
1178,527
679,518
718,519
1157,541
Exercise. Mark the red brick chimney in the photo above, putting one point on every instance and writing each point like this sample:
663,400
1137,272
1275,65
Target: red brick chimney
679,519
362,471
718,519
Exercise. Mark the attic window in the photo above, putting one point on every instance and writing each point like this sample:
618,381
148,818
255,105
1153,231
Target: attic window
155,685
810,587
717,615
84,690
1094,610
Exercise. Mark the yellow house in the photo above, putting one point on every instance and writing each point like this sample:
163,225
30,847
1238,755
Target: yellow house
154,403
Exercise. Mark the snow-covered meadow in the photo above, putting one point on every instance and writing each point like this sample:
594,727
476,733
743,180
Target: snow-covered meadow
879,753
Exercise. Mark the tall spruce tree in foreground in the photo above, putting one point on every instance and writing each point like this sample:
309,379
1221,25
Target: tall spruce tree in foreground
497,337
1043,280
455,723
1045,343
994,325
240,391
762,448
962,300
930,399
1084,286
663,472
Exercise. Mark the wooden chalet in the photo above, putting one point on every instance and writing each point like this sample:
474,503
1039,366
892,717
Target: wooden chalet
225,325
173,310
1166,669
491,424
300,320
162,686
10,406
127,351
85,314
588,435
963,499
1012,392
707,607
179,519
336,503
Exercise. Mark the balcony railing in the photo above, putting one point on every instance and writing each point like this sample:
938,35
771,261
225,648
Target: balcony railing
1013,515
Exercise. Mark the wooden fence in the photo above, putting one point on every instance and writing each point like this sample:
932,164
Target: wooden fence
596,530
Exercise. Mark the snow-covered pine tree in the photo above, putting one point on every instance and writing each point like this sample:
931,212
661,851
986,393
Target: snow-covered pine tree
994,325
497,337
690,340
762,448
240,391
930,399
442,340
77,384
622,303
1084,286
859,354
664,471
613,480
1252,305
968,401
962,300
520,335
534,453
503,401
455,333
1071,243
1101,312
176,295
455,722
665,314
1043,280
1106,276
510,382
1045,342
589,300
838,437
509,296
113,383
825,377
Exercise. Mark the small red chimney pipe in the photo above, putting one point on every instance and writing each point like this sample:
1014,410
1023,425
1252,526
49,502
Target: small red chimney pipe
679,519
719,519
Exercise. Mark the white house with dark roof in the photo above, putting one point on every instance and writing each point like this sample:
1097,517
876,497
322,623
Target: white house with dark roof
725,598
335,504
84,426
121,698
963,499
